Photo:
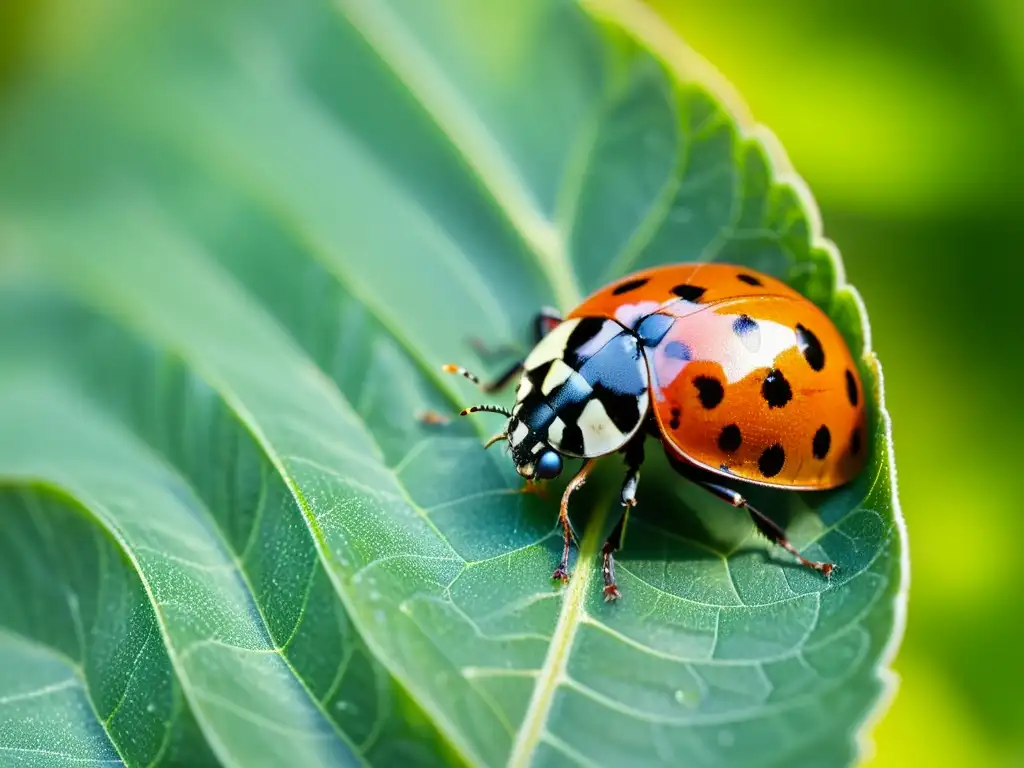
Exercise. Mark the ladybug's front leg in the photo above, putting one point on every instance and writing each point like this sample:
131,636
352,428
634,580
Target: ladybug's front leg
562,571
634,458
766,526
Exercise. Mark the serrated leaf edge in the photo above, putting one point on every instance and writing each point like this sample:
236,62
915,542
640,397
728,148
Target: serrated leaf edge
657,36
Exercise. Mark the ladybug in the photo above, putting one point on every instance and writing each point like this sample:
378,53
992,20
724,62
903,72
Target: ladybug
742,379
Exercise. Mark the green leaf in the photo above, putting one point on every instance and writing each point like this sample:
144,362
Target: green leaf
226,537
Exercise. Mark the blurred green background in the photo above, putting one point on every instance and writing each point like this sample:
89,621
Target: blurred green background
906,120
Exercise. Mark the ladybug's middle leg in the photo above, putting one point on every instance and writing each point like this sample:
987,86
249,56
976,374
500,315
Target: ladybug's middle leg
767,527
543,323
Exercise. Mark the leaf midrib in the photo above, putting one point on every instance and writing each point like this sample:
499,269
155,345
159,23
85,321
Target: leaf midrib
479,150
553,669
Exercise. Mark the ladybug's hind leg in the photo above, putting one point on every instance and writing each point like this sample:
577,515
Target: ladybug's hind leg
766,526
634,452
545,321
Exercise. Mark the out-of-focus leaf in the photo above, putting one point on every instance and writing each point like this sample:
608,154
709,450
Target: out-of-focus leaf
240,242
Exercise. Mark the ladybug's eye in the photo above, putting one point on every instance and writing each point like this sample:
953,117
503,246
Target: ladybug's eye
549,465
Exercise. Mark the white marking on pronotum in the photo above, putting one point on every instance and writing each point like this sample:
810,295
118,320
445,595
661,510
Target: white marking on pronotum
551,347
525,387
555,431
519,433
557,374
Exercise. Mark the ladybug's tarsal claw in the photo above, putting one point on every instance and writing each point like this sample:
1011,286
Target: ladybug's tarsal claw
611,593
561,575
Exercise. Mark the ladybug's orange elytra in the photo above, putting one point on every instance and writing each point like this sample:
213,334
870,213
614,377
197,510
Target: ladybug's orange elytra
741,377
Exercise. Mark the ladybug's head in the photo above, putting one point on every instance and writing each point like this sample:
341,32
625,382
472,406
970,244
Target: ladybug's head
534,459
532,456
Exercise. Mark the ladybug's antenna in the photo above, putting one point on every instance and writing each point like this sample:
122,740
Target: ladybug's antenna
458,369
487,409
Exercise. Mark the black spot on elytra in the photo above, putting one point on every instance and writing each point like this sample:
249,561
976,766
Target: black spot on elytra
689,292
674,421
810,348
772,460
709,391
851,388
775,389
729,439
855,442
629,285
678,351
743,325
821,443
748,279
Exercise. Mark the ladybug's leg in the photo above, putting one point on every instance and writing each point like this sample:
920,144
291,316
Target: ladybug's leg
634,452
568,534
612,544
770,529
543,322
